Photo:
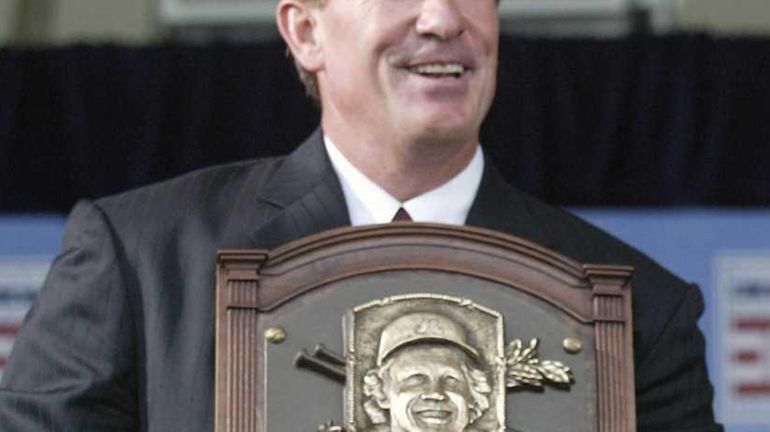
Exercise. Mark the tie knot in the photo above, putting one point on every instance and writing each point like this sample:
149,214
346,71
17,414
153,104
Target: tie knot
402,216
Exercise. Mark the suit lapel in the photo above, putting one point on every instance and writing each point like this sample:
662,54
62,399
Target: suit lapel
302,197
501,207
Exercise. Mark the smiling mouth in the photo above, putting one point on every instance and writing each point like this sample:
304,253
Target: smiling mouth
439,70
434,416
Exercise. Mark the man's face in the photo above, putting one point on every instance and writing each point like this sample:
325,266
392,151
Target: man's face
420,68
427,390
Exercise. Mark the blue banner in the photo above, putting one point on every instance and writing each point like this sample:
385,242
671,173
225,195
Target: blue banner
27,247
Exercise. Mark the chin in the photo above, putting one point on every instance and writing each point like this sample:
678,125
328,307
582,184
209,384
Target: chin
448,133
451,124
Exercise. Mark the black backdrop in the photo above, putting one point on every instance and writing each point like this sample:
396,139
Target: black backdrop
655,121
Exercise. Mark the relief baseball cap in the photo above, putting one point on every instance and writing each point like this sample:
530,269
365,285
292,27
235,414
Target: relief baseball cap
422,327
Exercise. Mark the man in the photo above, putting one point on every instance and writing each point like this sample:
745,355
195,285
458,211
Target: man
426,378
121,337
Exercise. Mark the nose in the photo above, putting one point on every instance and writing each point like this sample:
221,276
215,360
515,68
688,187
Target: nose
435,392
433,396
441,19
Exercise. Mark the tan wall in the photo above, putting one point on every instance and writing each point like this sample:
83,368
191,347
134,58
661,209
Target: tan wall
8,19
67,21
124,20
725,16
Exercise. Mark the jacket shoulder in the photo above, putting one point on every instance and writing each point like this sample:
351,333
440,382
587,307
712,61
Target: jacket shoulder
204,197
585,242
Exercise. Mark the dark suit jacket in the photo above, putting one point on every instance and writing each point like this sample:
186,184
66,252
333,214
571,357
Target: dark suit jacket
121,337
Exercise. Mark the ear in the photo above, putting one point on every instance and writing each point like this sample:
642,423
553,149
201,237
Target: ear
298,24
383,403
374,387
382,398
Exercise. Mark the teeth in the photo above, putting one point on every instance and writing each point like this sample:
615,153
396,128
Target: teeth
439,69
435,414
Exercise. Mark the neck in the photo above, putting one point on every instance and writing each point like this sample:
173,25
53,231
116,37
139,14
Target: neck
405,168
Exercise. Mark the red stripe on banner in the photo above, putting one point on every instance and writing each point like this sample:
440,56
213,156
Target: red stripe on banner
3,362
753,323
9,329
754,389
745,356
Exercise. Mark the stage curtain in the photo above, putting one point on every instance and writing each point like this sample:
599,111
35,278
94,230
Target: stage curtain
639,121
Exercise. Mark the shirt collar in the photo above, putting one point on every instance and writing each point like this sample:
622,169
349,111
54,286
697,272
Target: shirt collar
368,203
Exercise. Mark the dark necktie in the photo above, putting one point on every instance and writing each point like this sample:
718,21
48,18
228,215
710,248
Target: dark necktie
402,216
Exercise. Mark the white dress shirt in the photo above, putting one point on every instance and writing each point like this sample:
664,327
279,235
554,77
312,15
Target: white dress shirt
368,203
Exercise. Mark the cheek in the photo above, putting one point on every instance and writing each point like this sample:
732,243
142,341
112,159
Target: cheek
489,44
461,403
483,20
405,396
403,401
400,409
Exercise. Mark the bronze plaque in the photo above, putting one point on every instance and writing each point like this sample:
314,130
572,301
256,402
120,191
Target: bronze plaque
421,327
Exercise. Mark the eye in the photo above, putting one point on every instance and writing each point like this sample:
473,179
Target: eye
451,381
413,380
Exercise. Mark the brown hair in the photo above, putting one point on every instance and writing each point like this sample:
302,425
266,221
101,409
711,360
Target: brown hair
308,79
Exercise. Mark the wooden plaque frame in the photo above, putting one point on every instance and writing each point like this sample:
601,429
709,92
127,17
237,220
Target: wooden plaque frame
250,282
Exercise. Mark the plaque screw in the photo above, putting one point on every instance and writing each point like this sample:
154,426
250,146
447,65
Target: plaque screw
572,345
275,335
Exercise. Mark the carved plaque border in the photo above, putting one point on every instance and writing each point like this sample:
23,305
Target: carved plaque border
252,281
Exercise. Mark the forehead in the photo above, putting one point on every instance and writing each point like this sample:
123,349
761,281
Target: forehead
428,355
